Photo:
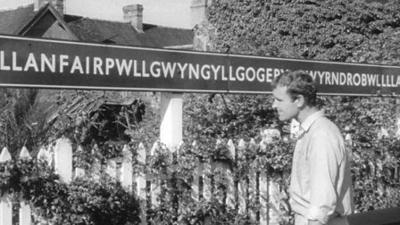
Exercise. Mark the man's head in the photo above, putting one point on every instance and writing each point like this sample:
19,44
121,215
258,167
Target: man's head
293,92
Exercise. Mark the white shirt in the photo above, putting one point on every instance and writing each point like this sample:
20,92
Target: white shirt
321,186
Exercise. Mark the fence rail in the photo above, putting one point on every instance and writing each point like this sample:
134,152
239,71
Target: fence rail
255,186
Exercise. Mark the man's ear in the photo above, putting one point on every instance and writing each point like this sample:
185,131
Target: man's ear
300,101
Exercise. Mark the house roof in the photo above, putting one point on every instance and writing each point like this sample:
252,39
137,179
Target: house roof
12,20
112,32
101,31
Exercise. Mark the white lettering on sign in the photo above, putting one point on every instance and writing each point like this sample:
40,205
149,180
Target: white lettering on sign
49,63
14,62
142,69
123,66
356,79
76,66
31,63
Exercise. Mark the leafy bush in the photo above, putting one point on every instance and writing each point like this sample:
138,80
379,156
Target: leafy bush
83,201
345,31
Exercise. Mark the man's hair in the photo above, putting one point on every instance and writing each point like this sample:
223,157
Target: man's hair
298,83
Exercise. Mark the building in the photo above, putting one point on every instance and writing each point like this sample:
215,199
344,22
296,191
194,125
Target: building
46,19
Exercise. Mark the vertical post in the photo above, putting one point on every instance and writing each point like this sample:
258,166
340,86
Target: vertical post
171,120
253,186
45,155
127,169
155,184
264,216
242,185
5,202
25,216
111,169
274,202
398,117
397,173
219,176
196,176
231,187
140,180
63,159
96,165
79,172
207,173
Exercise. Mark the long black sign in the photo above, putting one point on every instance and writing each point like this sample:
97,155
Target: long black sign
44,63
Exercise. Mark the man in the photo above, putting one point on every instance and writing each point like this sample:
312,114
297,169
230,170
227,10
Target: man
320,186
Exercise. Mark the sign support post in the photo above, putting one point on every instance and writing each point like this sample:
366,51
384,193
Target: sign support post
171,120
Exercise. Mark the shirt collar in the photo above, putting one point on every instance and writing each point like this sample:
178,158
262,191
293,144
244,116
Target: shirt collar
310,120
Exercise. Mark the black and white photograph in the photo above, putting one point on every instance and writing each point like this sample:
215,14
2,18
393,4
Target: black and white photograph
199,112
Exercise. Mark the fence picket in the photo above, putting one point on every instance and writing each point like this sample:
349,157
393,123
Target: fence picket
219,173
231,187
274,202
111,169
140,180
63,159
24,154
196,176
96,165
242,193
5,202
253,187
25,212
127,169
79,172
253,195
45,155
206,174
242,183
263,198
155,185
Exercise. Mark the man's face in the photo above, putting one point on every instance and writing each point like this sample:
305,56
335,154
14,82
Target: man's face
287,107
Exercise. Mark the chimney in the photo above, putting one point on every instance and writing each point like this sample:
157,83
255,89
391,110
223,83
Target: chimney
57,4
198,12
134,15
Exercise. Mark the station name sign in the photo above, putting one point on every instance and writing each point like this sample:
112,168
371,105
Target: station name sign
44,63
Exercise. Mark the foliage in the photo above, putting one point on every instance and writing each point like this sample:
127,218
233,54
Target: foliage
174,175
21,119
354,31
96,116
219,116
44,115
345,31
83,201
372,124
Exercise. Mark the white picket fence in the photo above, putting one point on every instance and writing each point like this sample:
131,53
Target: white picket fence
256,185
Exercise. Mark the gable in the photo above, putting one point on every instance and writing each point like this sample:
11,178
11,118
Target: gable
49,24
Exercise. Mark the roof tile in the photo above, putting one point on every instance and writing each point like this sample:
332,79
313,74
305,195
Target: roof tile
12,20
96,30
123,33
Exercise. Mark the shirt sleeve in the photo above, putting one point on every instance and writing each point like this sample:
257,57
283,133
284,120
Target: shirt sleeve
324,158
